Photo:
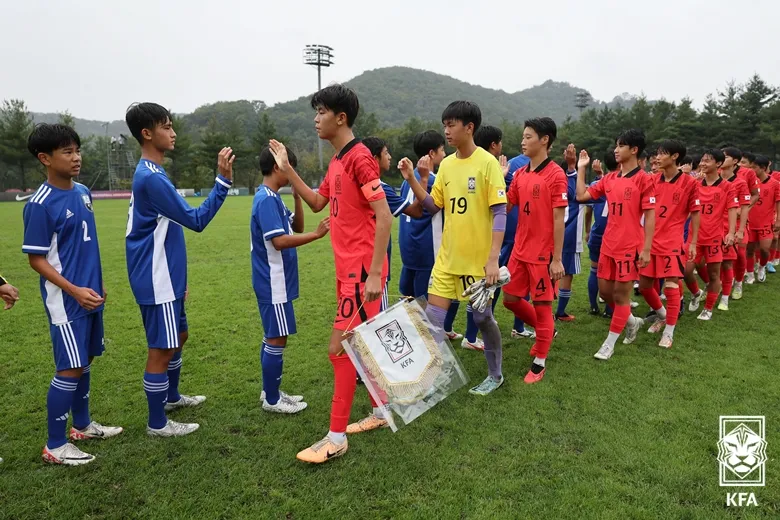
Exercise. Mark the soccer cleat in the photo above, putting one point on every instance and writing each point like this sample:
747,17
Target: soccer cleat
286,397
606,314
487,386
761,275
323,451
750,278
706,315
186,401
284,406
366,424
736,293
601,300
595,311
634,304
477,345
525,333
723,306
565,317
605,352
632,329
682,308
663,297
636,289
651,317
453,336
695,301
666,340
531,378
776,262
657,326
95,431
770,268
173,429
67,455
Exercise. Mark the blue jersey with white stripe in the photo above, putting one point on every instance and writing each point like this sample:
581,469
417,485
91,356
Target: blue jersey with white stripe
573,217
420,238
274,272
154,240
511,217
60,225
600,212
397,206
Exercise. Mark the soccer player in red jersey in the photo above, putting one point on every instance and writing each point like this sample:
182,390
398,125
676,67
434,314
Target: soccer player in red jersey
763,218
360,222
717,196
774,252
731,163
676,197
730,253
630,196
539,191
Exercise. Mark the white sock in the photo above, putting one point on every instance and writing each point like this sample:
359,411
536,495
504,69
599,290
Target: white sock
539,361
669,329
724,299
337,438
612,338
661,312
738,284
379,413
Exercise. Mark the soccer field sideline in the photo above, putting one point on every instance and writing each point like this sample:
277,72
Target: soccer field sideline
641,430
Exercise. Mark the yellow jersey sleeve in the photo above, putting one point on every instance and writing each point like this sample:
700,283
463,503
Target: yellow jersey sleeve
494,178
437,190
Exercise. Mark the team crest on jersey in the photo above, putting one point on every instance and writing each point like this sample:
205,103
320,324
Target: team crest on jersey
536,190
394,340
472,184
87,202
627,194
717,197
676,198
338,184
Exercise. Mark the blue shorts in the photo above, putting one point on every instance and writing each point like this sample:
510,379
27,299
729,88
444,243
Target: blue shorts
75,342
571,263
278,319
594,250
164,323
414,282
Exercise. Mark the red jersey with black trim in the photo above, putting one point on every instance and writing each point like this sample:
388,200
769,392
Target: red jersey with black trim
675,200
352,182
742,194
748,175
776,176
535,193
628,196
716,198
762,214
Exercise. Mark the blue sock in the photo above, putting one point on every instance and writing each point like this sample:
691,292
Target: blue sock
471,327
451,313
58,404
174,372
156,388
593,287
80,406
272,361
563,300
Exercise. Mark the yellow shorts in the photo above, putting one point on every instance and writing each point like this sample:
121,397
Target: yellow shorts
450,286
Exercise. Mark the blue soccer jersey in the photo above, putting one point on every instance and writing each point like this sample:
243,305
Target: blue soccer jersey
511,218
274,272
154,241
397,206
515,163
573,217
420,238
600,212
60,225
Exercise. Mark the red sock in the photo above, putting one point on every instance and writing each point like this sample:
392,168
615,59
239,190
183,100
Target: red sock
544,330
344,383
750,261
693,287
652,298
764,258
727,279
619,318
709,303
740,264
522,310
703,273
673,304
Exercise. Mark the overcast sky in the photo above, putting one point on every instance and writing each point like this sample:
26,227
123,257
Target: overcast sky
95,57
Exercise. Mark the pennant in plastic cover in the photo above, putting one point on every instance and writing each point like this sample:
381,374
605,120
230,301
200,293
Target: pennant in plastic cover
402,363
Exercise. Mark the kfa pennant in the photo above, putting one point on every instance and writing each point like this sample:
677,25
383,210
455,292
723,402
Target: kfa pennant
401,362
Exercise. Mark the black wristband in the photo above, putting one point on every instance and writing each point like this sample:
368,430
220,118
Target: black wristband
2,281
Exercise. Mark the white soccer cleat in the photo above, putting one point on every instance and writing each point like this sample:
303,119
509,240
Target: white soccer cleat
723,305
666,340
173,429
523,334
282,395
453,336
657,326
696,301
706,315
95,431
477,345
761,274
632,329
284,406
186,401
634,304
736,292
605,352
663,297
750,278
67,455
776,262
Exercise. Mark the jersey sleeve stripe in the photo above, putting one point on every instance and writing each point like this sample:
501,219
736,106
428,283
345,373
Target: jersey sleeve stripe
277,230
220,181
401,207
35,248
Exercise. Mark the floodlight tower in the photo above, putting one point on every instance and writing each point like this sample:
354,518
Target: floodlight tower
318,56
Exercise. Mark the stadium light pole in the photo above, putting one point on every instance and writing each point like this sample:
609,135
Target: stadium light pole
318,56
108,157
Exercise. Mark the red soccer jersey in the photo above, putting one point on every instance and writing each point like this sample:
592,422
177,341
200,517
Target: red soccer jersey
352,182
776,176
763,213
749,176
741,193
535,193
628,196
674,200
716,198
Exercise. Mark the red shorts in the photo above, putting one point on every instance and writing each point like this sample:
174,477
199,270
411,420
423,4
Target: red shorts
618,270
729,253
757,234
352,307
709,254
530,279
662,266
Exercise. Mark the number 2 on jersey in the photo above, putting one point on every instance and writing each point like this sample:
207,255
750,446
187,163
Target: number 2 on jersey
87,238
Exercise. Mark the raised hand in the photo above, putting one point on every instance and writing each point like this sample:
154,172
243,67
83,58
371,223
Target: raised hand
225,162
406,167
570,155
504,164
279,151
323,227
584,159
596,166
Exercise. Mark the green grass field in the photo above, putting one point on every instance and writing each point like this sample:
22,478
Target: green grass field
634,437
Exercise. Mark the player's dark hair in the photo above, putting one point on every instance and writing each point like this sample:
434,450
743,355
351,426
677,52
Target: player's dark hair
610,162
762,161
751,157
633,137
695,160
464,111
46,138
267,161
717,154
338,98
427,141
733,152
374,145
673,146
145,116
487,135
543,126
646,154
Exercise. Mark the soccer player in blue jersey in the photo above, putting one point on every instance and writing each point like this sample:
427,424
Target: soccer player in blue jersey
275,275
10,295
61,242
572,236
595,224
157,260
